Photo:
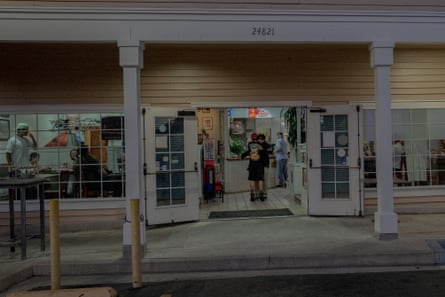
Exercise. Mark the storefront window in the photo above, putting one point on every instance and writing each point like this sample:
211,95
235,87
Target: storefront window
418,147
81,155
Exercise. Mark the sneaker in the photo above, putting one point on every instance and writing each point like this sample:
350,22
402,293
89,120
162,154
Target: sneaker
252,196
262,196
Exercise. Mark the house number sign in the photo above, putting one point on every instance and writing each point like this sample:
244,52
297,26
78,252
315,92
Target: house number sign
262,31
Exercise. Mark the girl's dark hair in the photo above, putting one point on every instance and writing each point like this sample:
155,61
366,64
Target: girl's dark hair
82,151
34,155
261,136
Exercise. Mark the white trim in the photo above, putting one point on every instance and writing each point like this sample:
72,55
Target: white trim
219,25
59,108
250,104
169,14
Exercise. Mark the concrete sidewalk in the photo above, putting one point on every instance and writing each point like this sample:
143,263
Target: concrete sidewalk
276,243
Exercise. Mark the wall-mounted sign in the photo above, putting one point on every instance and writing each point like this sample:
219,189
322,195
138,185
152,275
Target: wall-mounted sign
259,113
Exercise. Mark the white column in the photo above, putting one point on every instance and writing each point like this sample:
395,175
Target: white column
385,218
131,60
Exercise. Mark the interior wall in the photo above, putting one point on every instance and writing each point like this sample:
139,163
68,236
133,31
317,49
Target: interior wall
208,120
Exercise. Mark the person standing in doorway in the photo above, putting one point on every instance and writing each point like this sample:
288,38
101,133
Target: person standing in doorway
18,148
264,156
255,168
281,158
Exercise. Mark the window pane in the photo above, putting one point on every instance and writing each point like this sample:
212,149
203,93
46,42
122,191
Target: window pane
327,123
342,190
341,122
177,161
162,180
178,196
178,179
162,197
327,156
327,174
342,174
328,191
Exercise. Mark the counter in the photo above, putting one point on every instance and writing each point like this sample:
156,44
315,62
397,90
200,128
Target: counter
236,175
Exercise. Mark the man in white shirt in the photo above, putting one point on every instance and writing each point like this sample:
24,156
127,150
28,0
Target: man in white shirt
18,147
281,158
398,152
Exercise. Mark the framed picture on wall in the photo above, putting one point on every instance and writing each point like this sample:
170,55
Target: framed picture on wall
207,123
4,129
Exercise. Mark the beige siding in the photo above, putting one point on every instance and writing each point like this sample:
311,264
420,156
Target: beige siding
175,74
418,74
244,4
57,73
183,74
410,205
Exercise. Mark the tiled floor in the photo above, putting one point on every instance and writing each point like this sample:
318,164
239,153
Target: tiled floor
276,198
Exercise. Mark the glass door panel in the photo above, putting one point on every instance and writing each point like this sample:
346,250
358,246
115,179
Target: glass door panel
334,156
169,138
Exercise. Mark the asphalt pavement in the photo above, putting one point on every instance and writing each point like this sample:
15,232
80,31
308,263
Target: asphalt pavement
377,284
417,282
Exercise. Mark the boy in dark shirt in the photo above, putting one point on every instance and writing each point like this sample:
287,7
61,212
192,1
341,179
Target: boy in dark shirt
264,156
258,158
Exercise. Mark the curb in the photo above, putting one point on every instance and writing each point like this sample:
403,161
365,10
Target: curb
241,264
196,265
16,277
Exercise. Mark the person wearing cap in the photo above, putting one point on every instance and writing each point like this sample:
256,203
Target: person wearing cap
255,168
264,156
18,147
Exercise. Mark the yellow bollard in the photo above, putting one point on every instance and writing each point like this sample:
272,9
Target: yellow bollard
54,243
135,243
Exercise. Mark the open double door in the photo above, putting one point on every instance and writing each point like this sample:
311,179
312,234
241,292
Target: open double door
333,164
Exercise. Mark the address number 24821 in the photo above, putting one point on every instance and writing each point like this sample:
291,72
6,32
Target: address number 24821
263,31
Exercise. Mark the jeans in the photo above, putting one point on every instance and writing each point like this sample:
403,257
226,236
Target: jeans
282,171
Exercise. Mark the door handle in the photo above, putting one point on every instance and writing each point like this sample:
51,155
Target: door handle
310,163
196,166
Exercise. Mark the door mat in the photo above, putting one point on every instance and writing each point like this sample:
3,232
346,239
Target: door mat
250,213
